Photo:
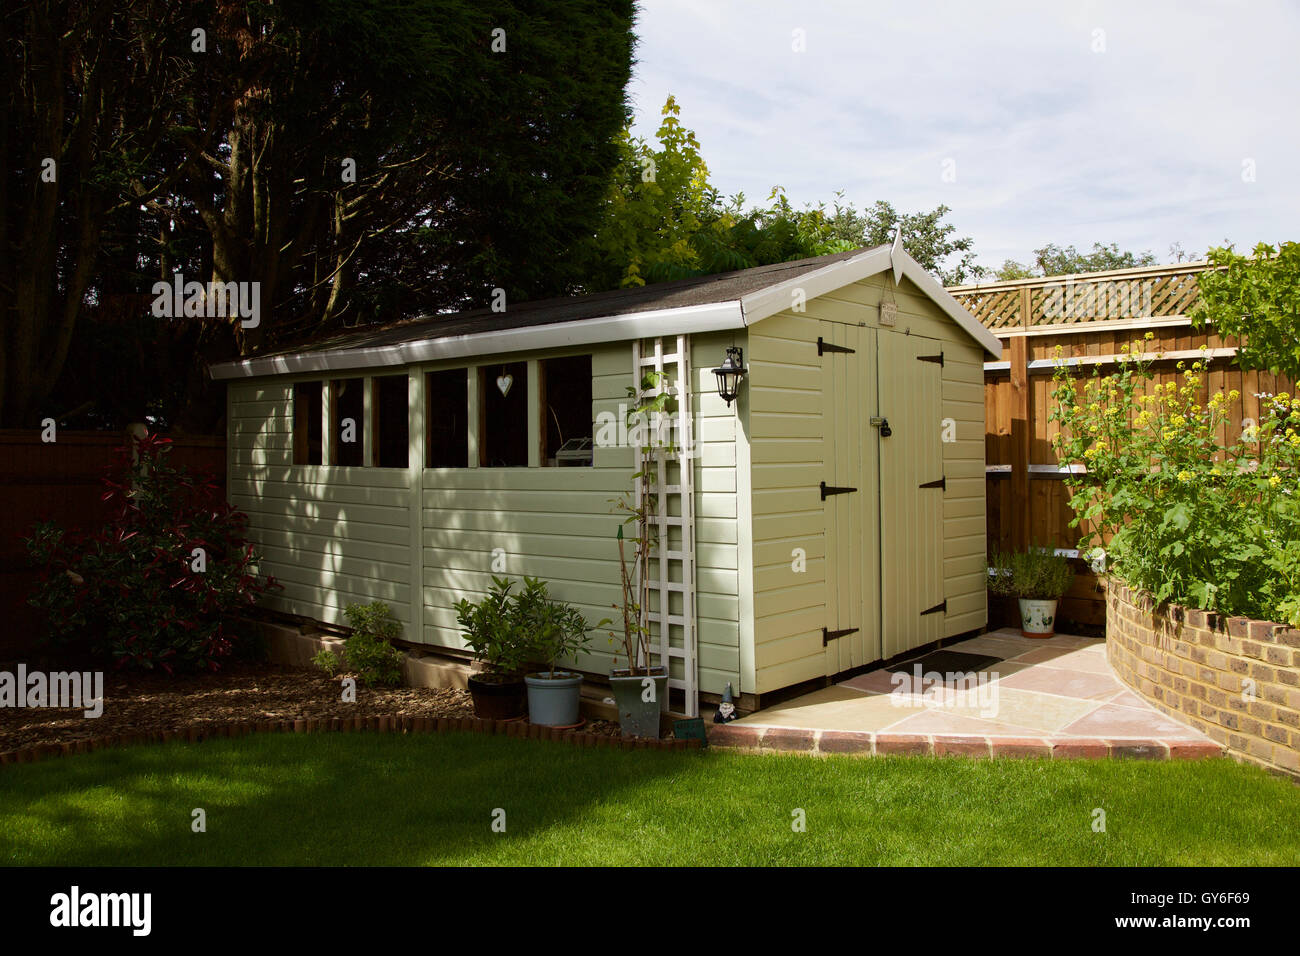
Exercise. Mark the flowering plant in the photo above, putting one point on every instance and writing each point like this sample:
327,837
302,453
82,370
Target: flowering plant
1187,508
157,586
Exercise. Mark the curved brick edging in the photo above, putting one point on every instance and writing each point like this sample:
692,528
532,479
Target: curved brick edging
870,744
399,725
1198,667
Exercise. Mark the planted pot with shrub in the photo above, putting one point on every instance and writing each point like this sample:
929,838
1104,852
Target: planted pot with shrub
556,630
493,631
1038,578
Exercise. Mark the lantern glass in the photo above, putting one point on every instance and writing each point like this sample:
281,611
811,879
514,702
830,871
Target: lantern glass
730,374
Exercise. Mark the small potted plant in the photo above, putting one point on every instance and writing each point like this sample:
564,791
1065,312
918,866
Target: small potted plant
1037,578
492,630
556,629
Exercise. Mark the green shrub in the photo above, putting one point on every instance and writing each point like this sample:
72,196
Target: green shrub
1039,574
327,661
368,649
161,584
555,629
1182,513
508,632
492,630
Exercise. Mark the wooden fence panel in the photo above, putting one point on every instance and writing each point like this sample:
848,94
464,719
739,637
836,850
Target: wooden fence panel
1091,318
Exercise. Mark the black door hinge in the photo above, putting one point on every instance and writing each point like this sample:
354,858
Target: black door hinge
823,347
828,636
937,359
828,490
941,606
941,483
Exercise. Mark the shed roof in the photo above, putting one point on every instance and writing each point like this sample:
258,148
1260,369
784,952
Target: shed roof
728,300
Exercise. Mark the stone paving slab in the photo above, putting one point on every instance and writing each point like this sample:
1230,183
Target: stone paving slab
1053,698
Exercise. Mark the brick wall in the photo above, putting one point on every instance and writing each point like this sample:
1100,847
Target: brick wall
1234,679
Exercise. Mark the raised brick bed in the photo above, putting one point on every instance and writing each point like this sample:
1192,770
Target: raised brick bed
1235,680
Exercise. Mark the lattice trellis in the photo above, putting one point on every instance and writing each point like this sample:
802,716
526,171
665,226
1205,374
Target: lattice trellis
670,615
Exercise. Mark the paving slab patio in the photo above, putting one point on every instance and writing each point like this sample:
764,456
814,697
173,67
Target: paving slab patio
1055,696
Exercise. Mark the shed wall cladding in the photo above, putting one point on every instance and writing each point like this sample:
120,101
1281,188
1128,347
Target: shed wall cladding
784,425
332,535
336,535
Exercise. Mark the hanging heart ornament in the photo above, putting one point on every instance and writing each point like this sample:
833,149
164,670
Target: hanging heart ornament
503,384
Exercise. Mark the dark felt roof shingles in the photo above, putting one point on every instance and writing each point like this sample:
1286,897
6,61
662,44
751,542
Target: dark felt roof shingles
701,290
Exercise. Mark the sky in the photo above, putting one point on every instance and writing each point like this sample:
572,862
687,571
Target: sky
1142,123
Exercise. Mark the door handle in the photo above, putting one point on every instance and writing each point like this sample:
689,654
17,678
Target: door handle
883,425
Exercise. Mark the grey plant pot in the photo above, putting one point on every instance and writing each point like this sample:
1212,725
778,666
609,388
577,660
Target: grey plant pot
554,702
638,717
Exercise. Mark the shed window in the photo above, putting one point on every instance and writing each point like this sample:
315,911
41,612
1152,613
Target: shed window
348,435
446,417
566,408
307,423
392,427
503,437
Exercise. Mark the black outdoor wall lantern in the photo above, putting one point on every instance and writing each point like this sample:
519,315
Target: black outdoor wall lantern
730,373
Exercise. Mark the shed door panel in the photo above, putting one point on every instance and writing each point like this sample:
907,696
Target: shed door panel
911,516
849,387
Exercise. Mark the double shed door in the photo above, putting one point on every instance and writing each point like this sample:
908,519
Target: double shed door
883,495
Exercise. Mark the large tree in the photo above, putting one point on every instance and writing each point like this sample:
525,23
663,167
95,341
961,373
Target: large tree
664,219
86,86
361,161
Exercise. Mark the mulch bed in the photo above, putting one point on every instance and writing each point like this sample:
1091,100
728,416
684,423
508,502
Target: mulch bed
155,703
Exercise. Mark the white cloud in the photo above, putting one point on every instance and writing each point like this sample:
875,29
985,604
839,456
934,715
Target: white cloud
1142,144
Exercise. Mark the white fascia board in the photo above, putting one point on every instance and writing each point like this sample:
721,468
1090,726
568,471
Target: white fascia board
714,317
931,287
768,302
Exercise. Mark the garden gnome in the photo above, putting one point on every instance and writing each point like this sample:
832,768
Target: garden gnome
727,709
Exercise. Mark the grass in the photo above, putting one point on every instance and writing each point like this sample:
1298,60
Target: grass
357,799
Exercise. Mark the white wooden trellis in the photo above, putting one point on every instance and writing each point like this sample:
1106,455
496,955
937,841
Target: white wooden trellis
672,569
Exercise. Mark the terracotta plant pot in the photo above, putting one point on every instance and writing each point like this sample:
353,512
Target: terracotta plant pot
497,696
1037,618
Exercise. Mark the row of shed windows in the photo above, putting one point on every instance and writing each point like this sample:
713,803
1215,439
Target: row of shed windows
503,429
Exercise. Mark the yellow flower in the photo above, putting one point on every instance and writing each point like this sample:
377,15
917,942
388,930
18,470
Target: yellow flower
1149,336
1274,480
1234,395
1184,475
1177,421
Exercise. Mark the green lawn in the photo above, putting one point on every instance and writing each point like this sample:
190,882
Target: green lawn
387,799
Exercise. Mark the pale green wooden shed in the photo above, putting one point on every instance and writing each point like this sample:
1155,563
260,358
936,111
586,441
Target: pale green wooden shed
831,517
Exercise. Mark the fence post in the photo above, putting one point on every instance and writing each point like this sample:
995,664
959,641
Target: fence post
1020,411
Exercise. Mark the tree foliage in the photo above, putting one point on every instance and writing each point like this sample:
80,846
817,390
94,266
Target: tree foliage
482,134
663,219
1257,298
87,97
1054,260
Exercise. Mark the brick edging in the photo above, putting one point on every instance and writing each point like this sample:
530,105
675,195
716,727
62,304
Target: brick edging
868,743
398,725
1195,665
